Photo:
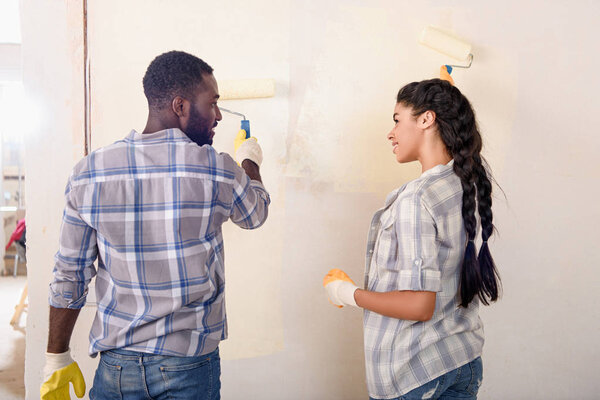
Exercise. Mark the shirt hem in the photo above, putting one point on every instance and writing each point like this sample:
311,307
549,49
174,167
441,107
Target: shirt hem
415,386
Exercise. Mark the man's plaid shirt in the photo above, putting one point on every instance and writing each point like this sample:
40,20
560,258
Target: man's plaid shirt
150,209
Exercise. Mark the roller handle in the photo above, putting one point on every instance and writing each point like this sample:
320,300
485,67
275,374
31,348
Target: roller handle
246,126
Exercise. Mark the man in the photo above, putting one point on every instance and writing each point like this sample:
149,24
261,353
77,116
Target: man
150,208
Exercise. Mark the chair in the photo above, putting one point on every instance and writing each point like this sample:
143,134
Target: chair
18,238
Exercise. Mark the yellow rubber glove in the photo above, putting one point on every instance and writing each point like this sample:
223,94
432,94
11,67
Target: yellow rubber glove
445,76
56,386
340,288
247,149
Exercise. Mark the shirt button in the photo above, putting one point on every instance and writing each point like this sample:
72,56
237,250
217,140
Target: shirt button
418,262
370,251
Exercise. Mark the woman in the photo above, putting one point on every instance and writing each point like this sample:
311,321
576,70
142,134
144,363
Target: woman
424,280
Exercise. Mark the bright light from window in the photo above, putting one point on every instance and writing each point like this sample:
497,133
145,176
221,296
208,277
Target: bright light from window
10,23
13,112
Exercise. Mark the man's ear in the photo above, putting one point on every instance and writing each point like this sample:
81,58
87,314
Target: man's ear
427,119
180,106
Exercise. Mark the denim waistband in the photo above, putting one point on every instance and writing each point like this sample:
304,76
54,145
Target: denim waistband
134,355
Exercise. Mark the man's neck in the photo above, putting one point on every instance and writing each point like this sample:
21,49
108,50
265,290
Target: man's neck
156,123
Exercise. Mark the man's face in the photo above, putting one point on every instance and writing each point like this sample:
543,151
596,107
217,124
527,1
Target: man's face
204,114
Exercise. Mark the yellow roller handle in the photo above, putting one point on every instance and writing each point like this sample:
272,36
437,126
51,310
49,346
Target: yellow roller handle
445,75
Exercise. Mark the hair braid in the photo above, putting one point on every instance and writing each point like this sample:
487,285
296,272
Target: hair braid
470,274
458,130
486,262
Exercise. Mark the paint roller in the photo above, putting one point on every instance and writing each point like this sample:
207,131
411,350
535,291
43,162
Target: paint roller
245,89
446,43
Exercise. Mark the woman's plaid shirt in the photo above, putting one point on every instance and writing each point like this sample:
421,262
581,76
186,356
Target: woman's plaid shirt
417,242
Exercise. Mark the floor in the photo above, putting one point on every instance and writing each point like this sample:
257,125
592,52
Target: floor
12,341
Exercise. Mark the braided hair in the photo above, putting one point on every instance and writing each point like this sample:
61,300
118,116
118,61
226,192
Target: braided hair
458,130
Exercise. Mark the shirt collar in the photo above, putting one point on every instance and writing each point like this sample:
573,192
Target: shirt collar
438,169
435,170
172,133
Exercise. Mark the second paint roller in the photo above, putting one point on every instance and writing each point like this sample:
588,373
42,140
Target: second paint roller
448,44
245,89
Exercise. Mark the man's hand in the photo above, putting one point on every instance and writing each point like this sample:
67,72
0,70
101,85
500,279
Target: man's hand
247,149
60,369
340,288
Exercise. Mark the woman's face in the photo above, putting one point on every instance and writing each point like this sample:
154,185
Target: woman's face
406,136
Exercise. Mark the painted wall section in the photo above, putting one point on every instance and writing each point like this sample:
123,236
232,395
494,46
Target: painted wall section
338,66
223,39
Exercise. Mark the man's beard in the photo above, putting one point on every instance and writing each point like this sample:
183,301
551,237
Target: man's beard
199,129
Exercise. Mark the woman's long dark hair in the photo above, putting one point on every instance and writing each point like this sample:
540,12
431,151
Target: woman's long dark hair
458,130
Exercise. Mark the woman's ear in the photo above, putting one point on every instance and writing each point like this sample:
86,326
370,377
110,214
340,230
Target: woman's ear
426,119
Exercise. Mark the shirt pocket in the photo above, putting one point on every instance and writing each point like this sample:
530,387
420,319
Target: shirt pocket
385,249
387,241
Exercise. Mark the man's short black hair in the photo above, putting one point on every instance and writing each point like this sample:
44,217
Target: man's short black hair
171,74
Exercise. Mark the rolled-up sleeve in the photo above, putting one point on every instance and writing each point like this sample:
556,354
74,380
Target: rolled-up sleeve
250,202
408,248
74,261
418,247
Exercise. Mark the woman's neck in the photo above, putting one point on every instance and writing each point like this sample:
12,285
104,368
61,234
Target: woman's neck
433,153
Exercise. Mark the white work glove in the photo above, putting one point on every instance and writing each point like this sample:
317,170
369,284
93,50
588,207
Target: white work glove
340,288
247,149
60,369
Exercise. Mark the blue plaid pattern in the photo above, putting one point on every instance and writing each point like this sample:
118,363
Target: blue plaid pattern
417,243
150,209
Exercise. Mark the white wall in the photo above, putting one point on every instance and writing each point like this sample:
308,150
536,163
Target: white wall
52,77
338,65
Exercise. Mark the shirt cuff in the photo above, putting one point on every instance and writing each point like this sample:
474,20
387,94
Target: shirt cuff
261,189
64,299
425,280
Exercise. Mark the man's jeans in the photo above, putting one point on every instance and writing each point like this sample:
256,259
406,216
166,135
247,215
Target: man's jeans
123,374
461,383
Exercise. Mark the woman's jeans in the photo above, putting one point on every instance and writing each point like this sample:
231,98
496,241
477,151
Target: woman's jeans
461,383
123,374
